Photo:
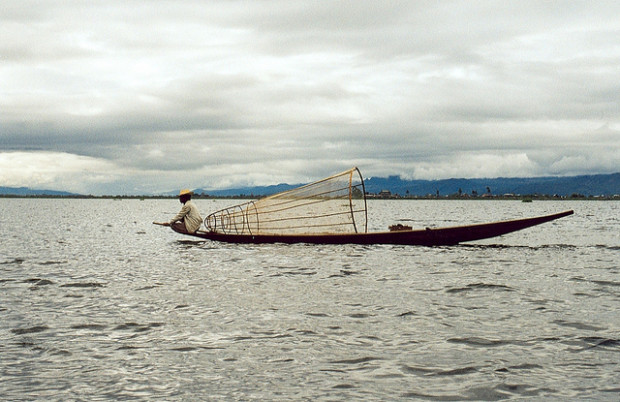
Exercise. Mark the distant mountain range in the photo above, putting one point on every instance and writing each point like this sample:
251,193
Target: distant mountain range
591,185
249,191
25,191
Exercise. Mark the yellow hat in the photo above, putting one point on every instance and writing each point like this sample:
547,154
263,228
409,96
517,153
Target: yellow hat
184,192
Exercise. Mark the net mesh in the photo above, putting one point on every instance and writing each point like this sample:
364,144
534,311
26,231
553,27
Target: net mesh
336,204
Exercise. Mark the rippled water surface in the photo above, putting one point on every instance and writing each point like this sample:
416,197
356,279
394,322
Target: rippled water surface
98,303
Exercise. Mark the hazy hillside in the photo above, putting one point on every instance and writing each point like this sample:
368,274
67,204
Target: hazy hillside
24,191
593,185
564,186
249,191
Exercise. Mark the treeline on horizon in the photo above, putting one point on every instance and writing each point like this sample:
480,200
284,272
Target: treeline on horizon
456,196
574,187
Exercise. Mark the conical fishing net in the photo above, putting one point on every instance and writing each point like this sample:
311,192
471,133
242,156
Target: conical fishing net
336,204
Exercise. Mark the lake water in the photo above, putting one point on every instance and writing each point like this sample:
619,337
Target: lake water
97,303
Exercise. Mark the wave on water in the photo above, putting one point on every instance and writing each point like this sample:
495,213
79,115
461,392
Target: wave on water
451,372
480,286
606,283
135,327
38,281
288,271
613,248
193,348
557,246
187,244
356,361
524,366
98,327
596,281
482,393
17,261
483,342
407,314
579,325
83,285
344,273
600,342
30,330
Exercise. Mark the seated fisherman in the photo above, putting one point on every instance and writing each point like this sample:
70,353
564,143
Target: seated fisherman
188,220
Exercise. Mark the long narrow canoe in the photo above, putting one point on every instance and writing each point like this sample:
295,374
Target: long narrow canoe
424,237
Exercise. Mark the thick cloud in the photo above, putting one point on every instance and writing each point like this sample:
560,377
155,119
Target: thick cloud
132,96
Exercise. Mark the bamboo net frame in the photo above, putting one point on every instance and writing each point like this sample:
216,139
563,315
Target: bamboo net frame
336,204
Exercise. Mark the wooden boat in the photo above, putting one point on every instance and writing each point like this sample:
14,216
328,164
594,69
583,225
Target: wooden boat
334,211
424,237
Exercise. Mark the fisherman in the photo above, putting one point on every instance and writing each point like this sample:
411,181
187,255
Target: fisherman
188,220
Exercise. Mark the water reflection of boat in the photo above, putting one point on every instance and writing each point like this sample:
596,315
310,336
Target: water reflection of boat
334,211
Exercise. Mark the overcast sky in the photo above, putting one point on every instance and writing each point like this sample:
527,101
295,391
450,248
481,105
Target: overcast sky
134,97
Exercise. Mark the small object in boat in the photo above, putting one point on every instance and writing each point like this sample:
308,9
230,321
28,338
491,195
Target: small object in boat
398,227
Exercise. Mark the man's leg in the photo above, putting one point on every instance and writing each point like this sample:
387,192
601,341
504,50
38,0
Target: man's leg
179,227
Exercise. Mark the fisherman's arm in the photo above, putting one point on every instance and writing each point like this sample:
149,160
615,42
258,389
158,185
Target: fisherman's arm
184,211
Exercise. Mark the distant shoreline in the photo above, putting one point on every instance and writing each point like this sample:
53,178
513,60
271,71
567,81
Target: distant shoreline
600,186
485,197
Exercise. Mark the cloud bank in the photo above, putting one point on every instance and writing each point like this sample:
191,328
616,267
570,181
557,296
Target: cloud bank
130,97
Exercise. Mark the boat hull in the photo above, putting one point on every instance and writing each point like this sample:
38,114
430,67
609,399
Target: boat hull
425,237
